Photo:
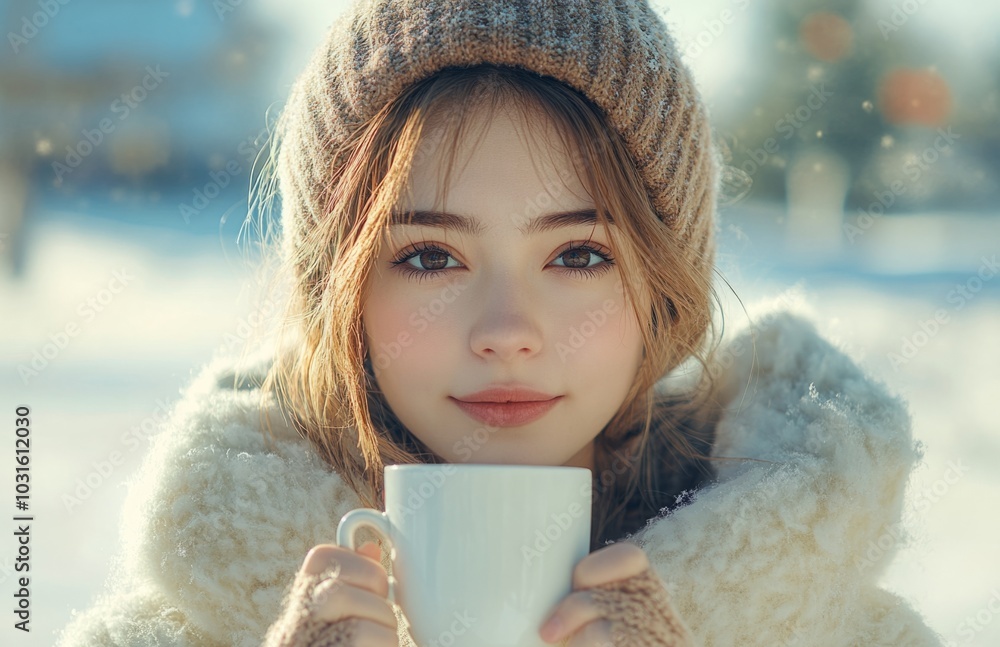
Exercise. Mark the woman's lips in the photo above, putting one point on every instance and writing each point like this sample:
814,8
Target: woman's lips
508,414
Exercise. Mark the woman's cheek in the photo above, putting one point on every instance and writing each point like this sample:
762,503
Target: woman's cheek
600,329
428,331
390,330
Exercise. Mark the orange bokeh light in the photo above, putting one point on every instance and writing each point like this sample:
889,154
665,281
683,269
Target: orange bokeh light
826,36
908,96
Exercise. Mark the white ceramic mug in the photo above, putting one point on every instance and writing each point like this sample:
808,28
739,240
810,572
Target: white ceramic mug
481,554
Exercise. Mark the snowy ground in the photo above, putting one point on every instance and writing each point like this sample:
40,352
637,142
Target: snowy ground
183,296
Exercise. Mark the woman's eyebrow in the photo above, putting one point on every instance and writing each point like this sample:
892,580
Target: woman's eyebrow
472,227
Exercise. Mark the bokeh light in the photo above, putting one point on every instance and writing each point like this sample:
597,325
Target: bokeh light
908,96
826,35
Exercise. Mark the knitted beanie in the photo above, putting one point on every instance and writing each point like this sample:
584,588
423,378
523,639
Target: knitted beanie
617,53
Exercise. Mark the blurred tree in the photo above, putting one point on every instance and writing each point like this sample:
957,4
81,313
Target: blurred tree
856,81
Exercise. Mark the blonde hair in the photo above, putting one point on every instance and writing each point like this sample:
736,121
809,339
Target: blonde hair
656,445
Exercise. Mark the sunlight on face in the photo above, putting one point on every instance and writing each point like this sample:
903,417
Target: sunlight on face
451,312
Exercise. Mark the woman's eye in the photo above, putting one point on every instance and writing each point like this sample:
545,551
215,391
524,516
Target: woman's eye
422,261
425,260
430,260
579,258
585,261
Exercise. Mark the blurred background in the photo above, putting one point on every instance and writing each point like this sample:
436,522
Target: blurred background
862,140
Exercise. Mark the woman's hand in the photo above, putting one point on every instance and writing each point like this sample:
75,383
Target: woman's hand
618,600
339,597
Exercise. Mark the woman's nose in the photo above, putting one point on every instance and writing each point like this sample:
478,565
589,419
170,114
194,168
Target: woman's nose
507,324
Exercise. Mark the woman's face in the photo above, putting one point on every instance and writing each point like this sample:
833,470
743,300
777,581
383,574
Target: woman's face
506,291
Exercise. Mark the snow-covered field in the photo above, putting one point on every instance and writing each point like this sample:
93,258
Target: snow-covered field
125,323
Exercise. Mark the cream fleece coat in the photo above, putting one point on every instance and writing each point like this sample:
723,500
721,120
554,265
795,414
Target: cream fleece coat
781,551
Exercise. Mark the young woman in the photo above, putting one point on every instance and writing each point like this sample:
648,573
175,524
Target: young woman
515,197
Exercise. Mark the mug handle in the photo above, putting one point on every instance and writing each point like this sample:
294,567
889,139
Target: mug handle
366,518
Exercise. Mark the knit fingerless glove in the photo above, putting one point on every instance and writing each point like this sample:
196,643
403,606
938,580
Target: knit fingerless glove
637,607
640,612
298,625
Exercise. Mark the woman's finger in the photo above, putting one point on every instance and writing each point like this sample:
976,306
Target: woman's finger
371,551
335,601
611,563
363,633
371,634
571,614
348,566
593,634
